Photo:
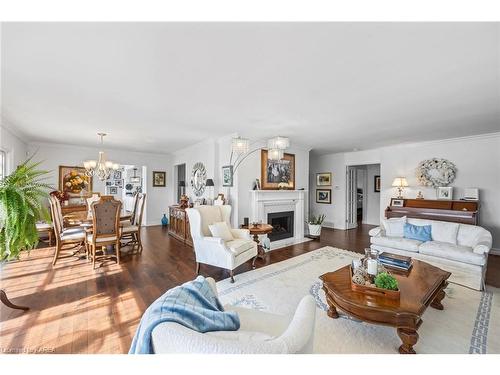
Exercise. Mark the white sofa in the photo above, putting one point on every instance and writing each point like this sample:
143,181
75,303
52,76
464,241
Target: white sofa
215,251
259,333
461,249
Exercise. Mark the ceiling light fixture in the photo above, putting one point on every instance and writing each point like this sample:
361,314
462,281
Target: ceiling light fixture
279,143
100,168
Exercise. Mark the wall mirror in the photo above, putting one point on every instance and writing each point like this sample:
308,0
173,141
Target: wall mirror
198,179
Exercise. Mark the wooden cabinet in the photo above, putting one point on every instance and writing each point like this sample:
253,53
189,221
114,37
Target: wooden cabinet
178,226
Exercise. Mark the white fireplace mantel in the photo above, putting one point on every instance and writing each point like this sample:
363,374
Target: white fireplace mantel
264,202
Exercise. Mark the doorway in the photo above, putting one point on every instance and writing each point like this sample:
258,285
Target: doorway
180,180
363,195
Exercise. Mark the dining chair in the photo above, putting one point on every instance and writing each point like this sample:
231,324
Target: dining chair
94,197
105,229
66,238
132,232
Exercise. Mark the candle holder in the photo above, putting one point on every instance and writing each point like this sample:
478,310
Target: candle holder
370,262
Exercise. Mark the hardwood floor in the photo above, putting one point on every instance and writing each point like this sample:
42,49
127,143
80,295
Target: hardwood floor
74,309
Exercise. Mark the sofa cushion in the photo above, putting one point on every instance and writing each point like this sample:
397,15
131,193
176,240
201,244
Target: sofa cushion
445,232
397,243
239,246
418,232
458,253
221,230
394,227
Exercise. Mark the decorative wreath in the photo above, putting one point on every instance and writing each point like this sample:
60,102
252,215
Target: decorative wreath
436,172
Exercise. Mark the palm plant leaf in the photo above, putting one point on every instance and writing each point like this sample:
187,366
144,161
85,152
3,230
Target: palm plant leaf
21,197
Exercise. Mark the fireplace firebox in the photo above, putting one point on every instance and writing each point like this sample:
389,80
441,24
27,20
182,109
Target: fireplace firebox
282,223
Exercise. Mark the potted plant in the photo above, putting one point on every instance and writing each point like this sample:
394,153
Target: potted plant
314,224
21,205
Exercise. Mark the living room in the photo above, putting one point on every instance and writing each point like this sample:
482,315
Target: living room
250,188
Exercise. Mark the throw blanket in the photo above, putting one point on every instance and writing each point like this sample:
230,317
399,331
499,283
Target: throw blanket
193,304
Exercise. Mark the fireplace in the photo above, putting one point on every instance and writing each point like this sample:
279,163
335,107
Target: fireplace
282,223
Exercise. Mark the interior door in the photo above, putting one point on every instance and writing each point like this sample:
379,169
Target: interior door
352,207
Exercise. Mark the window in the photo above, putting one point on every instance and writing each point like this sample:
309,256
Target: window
2,164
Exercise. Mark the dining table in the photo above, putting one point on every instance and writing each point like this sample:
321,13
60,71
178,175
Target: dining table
84,218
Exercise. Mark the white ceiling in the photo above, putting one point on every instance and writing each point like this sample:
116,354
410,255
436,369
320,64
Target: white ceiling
332,86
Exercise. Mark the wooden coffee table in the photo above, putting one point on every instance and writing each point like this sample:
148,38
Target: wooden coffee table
423,286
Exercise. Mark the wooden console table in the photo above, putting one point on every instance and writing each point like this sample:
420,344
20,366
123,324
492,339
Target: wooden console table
465,212
178,225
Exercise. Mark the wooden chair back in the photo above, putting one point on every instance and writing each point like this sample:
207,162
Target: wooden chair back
106,217
94,197
141,201
57,217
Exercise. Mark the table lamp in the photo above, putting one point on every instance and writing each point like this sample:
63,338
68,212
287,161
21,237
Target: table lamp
400,183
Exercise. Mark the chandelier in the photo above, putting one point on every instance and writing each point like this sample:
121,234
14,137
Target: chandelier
100,168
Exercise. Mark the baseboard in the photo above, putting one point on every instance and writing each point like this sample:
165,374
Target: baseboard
495,251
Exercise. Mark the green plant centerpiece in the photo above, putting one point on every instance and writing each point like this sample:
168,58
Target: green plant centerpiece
386,281
316,220
22,196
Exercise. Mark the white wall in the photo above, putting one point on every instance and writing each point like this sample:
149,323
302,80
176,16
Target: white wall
372,210
158,198
215,153
14,147
477,160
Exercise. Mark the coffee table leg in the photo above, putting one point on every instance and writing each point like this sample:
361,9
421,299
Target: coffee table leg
436,303
409,338
332,312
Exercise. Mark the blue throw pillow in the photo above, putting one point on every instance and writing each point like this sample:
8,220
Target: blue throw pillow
420,233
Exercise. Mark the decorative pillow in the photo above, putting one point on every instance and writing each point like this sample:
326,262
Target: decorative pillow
221,230
416,232
394,227
445,232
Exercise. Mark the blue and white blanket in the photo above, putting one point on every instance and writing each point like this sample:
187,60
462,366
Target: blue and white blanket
193,304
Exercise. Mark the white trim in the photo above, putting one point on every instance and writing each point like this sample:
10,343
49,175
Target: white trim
495,251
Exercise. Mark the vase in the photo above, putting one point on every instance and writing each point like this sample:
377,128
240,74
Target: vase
164,220
314,230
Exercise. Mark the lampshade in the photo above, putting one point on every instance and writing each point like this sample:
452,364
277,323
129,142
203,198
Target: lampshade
182,183
209,182
280,143
240,145
275,154
400,182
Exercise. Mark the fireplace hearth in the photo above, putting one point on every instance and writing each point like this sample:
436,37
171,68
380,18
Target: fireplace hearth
282,223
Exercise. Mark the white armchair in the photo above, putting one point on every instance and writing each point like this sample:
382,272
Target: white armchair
259,333
215,251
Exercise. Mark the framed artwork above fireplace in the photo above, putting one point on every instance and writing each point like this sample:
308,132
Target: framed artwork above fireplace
277,174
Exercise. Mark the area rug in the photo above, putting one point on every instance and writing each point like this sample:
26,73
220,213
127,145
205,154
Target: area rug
469,322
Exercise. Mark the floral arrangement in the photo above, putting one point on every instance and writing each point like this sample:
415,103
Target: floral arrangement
436,172
60,195
386,281
75,182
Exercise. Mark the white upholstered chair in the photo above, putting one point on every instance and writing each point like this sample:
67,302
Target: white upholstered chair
260,333
215,251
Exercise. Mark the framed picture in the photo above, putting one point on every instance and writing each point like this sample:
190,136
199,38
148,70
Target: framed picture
376,184
117,175
227,175
444,192
324,179
396,202
112,190
119,183
74,181
277,174
159,179
324,196
256,184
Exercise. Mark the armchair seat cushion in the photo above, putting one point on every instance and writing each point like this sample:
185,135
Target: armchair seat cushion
239,246
73,235
458,253
130,229
101,239
397,243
